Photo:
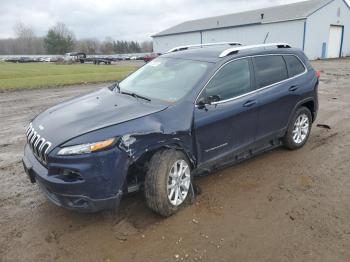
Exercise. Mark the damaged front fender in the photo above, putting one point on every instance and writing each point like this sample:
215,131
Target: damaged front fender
137,145
166,129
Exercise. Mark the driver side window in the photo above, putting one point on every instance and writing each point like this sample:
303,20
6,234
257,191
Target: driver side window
232,80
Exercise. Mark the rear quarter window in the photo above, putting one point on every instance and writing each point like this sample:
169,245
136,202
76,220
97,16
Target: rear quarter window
295,67
269,70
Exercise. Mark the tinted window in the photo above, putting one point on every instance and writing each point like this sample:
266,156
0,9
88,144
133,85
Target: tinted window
269,70
232,80
295,67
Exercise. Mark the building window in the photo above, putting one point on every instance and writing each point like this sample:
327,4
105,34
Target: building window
338,13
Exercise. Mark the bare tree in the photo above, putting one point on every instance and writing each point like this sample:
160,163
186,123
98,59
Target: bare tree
60,40
25,39
107,46
93,46
88,46
62,30
147,46
23,31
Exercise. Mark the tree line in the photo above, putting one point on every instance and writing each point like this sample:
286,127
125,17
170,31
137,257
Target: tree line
60,40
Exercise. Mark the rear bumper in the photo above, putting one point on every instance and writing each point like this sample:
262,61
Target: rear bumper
99,185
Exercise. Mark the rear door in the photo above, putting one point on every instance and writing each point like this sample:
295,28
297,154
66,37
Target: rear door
278,91
231,121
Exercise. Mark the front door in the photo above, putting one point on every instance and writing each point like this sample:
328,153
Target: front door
229,120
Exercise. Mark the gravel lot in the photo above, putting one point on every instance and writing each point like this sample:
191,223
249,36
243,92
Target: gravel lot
280,206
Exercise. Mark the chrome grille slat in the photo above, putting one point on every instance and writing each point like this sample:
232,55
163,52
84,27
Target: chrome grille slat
34,140
33,137
42,147
46,150
39,146
28,130
30,133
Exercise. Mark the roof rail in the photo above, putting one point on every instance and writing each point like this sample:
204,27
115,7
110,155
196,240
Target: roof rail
235,50
185,47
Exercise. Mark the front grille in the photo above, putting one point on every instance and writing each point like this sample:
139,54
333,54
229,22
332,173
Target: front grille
40,147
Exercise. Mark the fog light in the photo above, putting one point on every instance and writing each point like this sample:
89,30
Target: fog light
77,202
70,175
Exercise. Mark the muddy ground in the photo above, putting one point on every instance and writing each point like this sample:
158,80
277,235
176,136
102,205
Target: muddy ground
280,206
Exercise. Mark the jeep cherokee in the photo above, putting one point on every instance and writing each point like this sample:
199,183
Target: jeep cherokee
186,113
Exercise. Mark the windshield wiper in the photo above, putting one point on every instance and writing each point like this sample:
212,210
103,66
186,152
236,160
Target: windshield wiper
135,95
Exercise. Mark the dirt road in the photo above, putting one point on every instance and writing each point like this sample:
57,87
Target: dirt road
280,206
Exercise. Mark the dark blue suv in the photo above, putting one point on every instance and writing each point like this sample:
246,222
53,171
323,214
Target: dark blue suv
186,113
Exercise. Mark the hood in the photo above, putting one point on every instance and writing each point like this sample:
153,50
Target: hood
88,113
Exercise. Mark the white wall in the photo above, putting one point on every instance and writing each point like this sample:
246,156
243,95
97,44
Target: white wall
165,43
290,32
318,24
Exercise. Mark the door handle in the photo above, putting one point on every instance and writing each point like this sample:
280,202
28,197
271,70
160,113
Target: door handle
293,88
249,103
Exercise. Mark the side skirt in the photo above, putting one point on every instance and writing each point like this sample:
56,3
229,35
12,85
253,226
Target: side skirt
238,156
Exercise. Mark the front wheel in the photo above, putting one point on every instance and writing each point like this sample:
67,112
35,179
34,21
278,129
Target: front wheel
299,129
168,182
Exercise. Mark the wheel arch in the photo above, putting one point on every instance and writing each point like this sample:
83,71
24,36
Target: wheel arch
147,154
308,103
139,165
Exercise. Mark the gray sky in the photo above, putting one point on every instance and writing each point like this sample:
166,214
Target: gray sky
119,19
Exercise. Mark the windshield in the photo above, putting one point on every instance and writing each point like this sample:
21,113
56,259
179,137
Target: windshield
165,79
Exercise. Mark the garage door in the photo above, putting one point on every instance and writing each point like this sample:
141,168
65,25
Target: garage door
335,41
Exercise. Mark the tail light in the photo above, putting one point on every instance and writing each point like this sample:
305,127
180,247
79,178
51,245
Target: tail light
318,74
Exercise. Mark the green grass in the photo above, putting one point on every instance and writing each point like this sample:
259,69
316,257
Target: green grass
37,75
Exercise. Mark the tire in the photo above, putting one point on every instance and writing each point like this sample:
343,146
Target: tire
162,182
297,132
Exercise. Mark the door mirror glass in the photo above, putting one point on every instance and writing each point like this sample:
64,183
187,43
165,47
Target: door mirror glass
201,102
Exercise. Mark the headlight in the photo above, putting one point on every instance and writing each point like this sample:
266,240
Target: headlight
86,148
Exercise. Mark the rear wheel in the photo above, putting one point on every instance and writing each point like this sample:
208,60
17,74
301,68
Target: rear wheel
168,182
299,129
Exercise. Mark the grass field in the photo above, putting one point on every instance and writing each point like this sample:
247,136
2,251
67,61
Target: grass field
36,75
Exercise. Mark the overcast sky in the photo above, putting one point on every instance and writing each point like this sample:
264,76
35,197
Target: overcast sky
119,19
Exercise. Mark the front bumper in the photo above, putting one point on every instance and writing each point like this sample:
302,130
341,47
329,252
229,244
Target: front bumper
99,184
81,203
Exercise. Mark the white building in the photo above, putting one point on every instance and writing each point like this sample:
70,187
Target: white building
320,27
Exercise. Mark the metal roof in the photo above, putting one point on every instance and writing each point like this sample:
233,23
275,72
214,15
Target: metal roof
295,11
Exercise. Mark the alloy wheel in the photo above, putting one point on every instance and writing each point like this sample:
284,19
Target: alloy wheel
179,181
301,129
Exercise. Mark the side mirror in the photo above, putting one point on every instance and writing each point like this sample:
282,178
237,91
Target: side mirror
207,101
114,86
213,99
201,103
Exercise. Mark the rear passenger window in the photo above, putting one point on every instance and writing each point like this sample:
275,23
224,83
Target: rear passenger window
232,80
295,67
269,70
